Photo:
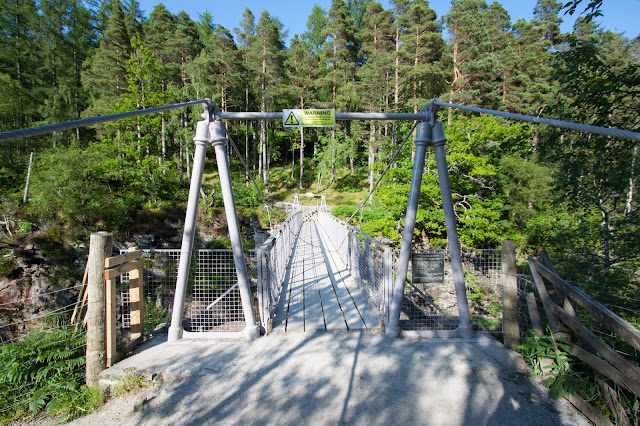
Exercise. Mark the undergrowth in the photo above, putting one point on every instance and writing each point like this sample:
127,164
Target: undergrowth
45,372
131,383
550,358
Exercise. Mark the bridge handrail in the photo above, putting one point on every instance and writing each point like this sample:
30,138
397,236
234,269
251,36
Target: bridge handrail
272,260
369,260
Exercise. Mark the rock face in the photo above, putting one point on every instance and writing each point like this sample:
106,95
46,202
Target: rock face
32,288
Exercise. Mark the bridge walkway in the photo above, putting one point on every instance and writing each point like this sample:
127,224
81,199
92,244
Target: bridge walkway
319,293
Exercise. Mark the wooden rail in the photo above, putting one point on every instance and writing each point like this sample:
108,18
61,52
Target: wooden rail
115,267
589,348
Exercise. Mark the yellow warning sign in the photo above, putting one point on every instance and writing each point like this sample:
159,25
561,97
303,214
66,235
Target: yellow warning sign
309,118
292,120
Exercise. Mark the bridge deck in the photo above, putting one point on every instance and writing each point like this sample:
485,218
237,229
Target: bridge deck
319,294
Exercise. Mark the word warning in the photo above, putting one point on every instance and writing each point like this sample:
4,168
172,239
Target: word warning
308,118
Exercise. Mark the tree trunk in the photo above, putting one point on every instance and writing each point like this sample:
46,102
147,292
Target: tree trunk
267,161
315,146
415,77
396,87
629,204
26,185
606,231
301,155
293,163
246,147
186,150
333,157
181,148
254,140
456,78
301,145
164,143
372,158
138,161
263,123
335,67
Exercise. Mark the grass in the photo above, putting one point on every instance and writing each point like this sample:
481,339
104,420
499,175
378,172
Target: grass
131,383
347,189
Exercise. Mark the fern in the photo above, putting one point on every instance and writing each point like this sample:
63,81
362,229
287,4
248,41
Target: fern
44,371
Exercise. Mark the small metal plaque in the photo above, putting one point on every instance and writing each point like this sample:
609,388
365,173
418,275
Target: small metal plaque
427,267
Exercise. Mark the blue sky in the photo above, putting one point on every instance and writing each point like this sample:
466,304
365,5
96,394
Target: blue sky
619,15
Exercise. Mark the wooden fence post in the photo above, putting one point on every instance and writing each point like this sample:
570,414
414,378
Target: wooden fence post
100,247
110,320
534,314
510,294
136,302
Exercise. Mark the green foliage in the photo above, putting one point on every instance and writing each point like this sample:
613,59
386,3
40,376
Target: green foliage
153,316
549,357
7,266
218,243
484,302
596,175
45,371
131,383
70,184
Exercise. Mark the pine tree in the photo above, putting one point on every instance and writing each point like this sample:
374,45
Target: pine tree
302,68
19,59
340,49
66,41
106,73
267,59
479,33
188,44
246,36
375,74
422,50
316,24
399,10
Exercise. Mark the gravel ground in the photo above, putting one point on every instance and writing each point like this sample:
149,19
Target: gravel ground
332,378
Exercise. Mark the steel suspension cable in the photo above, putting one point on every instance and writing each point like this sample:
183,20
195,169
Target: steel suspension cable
84,122
617,133
246,167
385,171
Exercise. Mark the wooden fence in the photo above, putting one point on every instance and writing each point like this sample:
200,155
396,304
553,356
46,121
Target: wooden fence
587,347
115,267
102,272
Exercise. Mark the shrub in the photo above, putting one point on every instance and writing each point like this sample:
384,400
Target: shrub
45,371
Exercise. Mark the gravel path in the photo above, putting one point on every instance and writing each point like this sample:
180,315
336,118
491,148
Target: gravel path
332,378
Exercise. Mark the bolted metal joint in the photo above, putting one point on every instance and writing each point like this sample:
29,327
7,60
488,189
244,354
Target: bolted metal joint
430,134
217,133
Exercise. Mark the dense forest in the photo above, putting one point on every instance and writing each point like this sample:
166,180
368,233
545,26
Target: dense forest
571,193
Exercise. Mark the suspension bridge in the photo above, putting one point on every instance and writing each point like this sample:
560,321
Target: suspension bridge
317,273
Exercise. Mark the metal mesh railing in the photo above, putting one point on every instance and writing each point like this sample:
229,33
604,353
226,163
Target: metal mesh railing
369,261
213,299
433,306
273,258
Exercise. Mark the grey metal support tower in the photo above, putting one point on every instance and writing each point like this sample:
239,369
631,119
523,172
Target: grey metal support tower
210,131
430,134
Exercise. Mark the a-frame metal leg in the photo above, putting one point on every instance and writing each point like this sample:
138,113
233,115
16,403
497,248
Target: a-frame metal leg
430,133
211,132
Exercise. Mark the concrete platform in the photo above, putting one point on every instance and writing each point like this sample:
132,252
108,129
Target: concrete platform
332,378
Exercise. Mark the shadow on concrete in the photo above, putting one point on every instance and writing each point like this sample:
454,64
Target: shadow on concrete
340,378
